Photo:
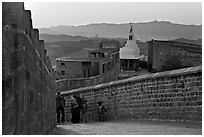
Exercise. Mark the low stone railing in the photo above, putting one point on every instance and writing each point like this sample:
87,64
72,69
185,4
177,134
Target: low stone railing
170,96
74,83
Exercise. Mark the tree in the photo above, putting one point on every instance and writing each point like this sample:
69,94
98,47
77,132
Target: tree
176,60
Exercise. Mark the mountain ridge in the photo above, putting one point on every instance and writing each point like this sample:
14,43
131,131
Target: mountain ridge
161,30
146,22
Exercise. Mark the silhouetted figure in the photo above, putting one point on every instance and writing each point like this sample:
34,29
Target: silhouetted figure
74,109
80,103
60,104
84,111
101,112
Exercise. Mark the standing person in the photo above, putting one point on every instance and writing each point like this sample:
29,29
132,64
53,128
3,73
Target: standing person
60,104
101,111
79,103
74,109
84,112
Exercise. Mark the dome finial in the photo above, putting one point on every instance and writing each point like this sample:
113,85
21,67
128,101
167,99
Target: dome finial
130,27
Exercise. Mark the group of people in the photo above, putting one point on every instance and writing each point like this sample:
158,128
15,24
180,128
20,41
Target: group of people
79,109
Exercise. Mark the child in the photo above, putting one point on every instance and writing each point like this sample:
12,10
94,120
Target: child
101,112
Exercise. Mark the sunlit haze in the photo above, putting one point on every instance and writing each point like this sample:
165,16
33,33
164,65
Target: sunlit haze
47,14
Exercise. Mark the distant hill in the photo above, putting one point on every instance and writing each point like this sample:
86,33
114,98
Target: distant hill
161,30
61,37
49,31
64,48
198,41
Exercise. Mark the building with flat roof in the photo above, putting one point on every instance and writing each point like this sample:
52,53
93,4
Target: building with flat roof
157,49
99,61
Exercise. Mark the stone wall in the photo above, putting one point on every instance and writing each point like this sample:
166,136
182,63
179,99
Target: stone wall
168,96
190,54
28,95
74,83
72,69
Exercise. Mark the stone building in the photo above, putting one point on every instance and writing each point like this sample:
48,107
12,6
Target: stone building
100,65
99,61
157,50
130,54
28,87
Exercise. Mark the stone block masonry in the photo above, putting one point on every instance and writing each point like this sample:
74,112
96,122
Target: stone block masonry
28,95
167,96
74,83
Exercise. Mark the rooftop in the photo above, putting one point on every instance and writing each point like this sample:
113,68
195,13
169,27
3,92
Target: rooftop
82,59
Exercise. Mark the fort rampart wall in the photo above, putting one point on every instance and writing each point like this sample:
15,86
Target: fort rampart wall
168,96
28,95
74,83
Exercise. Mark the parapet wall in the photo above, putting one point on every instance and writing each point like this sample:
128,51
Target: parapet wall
190,54
28,95
168,96
74,83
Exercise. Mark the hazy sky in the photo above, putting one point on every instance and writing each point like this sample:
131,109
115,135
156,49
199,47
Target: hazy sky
46,14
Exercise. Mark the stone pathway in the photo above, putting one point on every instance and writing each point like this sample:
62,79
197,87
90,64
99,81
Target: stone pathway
129,128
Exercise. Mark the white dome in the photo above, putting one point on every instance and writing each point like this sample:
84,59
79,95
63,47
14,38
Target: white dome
130,51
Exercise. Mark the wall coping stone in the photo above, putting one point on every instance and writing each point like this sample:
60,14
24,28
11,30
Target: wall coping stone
171,73
67,79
